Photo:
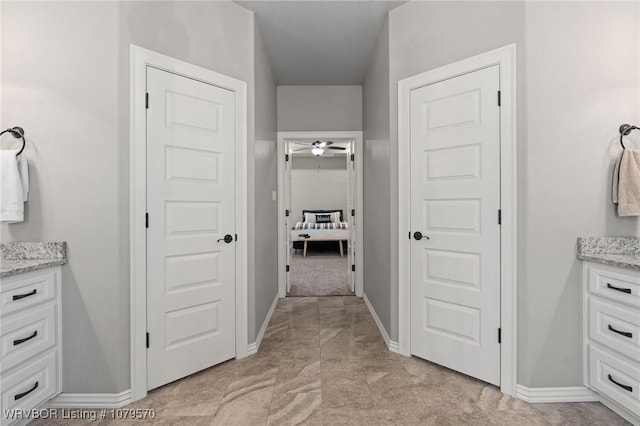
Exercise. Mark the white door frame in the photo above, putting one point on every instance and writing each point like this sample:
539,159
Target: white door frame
283,137
139,60
505,57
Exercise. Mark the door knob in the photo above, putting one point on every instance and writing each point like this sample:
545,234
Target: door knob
227,238
418,235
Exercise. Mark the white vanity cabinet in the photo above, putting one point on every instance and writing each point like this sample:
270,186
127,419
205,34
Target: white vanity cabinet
612,336
30,342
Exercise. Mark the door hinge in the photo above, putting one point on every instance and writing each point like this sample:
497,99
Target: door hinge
353,212
500,217
146,220
147,340
499,98
287,268
146,100
500,335
353,268
286,213
353,157
286,157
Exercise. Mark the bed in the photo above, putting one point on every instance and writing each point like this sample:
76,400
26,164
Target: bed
318,226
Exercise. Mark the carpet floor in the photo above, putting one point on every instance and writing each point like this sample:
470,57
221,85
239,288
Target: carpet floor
319,274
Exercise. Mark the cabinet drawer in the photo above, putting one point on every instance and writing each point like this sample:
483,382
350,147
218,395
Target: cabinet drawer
616,378
24,335
29,386
615,284
615,326
26,290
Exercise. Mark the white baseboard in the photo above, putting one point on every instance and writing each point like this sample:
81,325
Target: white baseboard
392,345
91,400
566,394
252,348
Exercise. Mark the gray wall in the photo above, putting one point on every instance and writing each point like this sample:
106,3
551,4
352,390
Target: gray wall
577,81
377,234
64,92
311,108
265,182
70,91
582,77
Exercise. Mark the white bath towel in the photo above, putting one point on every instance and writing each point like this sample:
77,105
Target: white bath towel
14,186
629,183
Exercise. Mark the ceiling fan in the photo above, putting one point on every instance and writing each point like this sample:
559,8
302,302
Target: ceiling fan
318,147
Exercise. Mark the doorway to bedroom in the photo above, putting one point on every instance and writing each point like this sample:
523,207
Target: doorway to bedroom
320,188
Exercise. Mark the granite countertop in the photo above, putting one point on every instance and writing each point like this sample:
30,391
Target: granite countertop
623,252
24,256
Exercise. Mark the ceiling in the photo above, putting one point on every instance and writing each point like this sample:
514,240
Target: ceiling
319,42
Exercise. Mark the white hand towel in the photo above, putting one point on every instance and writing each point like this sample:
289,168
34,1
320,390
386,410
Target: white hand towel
23,170
629,183
13,192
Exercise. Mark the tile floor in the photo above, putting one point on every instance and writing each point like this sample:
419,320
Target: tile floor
323,362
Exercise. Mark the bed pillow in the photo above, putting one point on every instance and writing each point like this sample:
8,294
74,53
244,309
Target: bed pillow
309,217
314,212
324,218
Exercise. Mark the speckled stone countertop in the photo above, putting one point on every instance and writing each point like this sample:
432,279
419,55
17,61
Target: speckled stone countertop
24,256
616,251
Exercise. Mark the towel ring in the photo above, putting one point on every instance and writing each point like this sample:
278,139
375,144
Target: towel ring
625,129
16,132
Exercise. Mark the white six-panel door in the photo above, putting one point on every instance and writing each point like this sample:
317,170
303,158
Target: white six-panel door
191,205
455,198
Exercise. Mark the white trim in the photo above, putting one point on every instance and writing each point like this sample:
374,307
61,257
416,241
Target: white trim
372,311
91,400
392,345
283,137
561,394
505,57
252,348
139,60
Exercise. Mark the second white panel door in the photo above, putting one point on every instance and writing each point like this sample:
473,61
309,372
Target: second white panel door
455,198
191,205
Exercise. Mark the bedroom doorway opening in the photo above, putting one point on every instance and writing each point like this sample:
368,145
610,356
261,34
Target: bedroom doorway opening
320,187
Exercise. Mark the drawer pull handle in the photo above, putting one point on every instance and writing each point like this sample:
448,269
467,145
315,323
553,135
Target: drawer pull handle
623,290
23,394
625,387
22,296
624,333
35,333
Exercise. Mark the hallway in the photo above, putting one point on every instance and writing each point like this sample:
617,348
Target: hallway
323,362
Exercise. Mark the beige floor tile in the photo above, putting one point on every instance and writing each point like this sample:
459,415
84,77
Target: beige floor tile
351,393
322,361
574,414
296,409
298,376
247,401
353,417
